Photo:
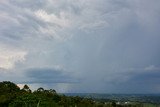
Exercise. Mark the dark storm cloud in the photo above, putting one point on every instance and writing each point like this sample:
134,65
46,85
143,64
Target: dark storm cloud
140,83
48,75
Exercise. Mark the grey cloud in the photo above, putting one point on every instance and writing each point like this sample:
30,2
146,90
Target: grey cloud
48,75
103,39
20,24
33,5
141,83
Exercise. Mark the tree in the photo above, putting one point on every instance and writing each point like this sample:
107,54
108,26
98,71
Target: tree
8,91
26,89
52,91
40,89
113,104
27,100
8,87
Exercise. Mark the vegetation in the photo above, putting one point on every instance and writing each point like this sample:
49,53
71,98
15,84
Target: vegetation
12,96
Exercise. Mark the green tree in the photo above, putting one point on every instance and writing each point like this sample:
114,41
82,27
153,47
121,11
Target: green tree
8,91
40,89
26,88
113,104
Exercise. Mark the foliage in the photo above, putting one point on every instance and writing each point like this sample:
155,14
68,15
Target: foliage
12,96
8,92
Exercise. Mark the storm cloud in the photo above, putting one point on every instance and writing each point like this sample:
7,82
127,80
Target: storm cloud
48,75
100,46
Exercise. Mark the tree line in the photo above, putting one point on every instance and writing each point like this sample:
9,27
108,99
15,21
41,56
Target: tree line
12,96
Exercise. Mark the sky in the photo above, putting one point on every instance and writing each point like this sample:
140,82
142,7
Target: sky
81,46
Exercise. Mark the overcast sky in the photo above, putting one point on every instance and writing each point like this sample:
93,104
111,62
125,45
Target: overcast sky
104,46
